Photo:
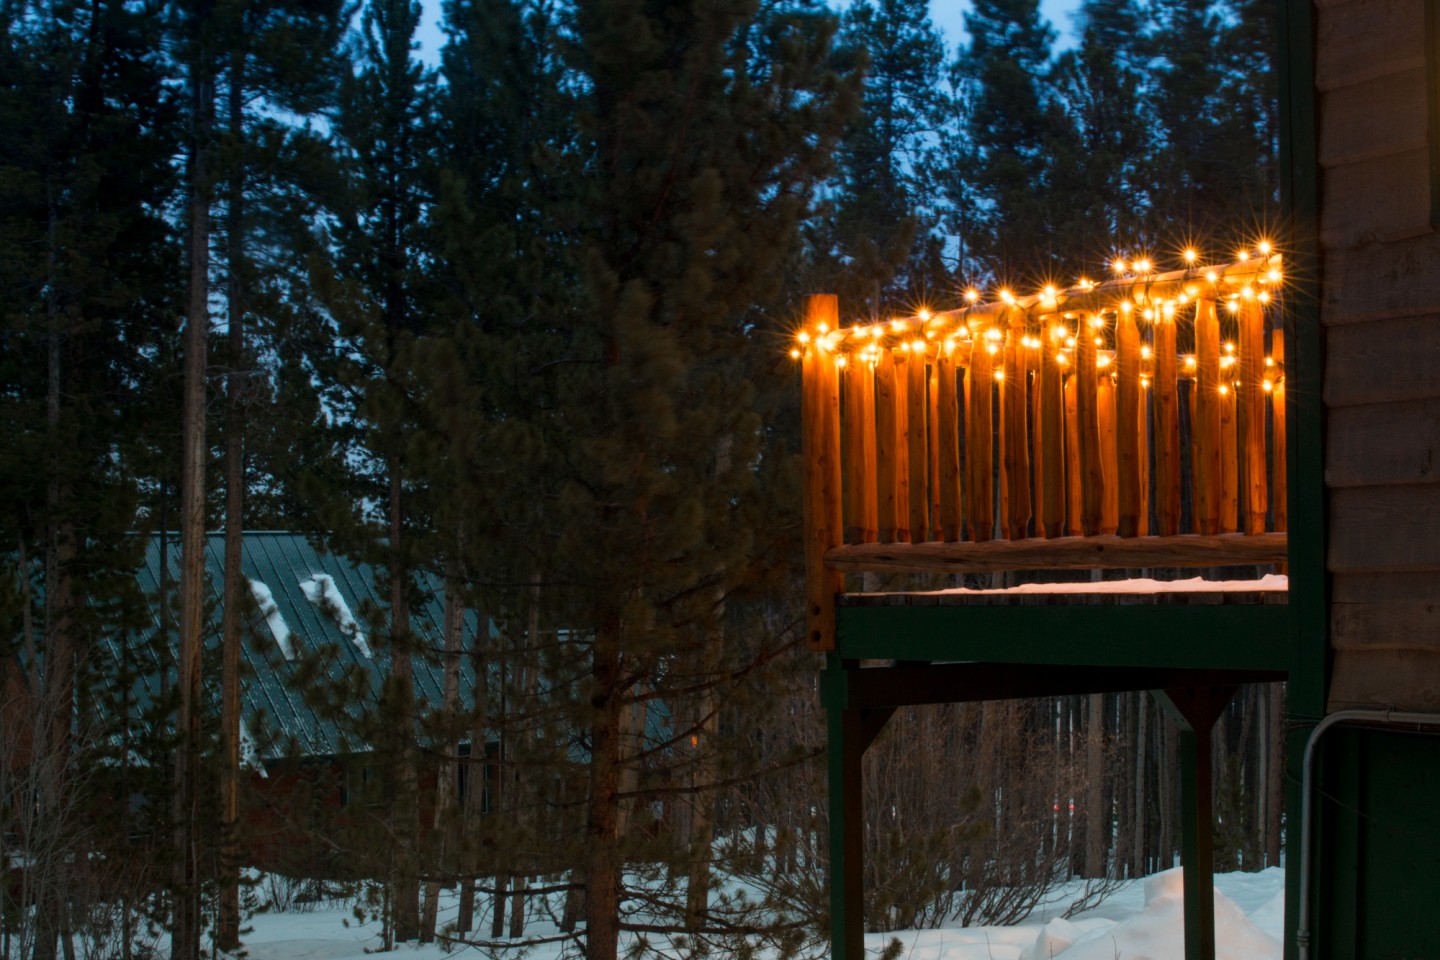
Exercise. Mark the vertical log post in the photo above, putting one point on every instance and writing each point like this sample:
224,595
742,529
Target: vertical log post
1074,498
1205,426
917,436
891,458
978,439
933,420
1279,475
820,438
1050,450
1229,459
1017,455
1128,423
1165,401
861,513
1087,414
1105,404
948,443
1250,398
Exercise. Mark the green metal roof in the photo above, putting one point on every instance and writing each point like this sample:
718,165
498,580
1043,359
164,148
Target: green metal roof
275,707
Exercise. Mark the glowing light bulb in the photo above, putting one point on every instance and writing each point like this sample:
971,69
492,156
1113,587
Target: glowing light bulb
1243,255
1148,314
1268,386
999,375
824,328
794,354
1062,359
1212,276
803,337
1269,361
1145,352
924,314
917,345
1274,276
1224,389
1190,363
1263,296
840,361
1006,295
1119,266
994,333
1050,292
1142,265
1190,255
1102,362
1263,247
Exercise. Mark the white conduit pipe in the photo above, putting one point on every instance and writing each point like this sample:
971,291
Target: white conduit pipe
1388,718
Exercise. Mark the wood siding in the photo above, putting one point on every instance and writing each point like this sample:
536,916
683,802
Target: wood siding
1381,313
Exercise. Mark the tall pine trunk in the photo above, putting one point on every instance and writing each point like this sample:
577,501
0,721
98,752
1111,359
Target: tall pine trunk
227,921
405,810
185,934
602,874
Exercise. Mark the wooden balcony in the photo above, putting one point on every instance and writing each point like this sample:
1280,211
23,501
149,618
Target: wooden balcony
1138,422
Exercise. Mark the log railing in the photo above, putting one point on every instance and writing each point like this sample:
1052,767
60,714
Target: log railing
1035,432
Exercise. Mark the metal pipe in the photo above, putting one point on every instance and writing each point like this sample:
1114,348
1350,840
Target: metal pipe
1388,718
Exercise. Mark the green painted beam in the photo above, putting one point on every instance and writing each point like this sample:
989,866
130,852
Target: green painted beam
1216,637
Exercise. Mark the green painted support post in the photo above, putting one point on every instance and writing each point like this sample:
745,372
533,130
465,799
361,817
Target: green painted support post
847,930
1197,853
1197,709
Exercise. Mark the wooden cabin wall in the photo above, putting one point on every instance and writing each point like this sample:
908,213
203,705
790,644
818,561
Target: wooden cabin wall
1380,311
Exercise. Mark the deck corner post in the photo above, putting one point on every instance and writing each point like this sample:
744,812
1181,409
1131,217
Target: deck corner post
820,442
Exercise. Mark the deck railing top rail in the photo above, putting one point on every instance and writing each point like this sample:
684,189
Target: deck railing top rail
1134,422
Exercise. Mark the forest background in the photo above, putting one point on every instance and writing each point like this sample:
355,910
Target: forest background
514,322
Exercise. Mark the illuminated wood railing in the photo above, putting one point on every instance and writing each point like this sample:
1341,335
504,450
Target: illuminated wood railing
1028,433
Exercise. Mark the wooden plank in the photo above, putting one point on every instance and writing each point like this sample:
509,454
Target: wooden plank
1382,199
979,435
1052,441
1363,39
1109,462
1385,679
1062,553
820,441
917,438
1128,426
1383,443
1087,416
1279,462
1205,425
948,420
1395,528
1165,401
1013,404
1408,350
1250,403
890,452
1385,610
1074,498
861,513
1375,118
1381,281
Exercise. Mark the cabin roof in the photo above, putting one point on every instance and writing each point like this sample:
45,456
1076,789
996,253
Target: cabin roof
281,713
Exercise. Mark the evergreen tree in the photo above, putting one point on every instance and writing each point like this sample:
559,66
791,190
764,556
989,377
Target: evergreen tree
884,205
375,287
87,277
704,127
1013,130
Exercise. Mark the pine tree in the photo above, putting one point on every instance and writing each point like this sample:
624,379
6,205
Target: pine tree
1013,126
885,206
705,127
375,287
86,277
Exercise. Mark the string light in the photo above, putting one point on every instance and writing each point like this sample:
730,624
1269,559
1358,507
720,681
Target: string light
1190,255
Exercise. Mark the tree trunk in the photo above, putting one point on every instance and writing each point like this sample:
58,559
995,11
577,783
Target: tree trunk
1142,747
406,811
473,805
185,934
602,874
227,921
1274,785
1097,819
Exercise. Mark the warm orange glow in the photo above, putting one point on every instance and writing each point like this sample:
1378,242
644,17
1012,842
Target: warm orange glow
972,295
1143,265
1190,255
794,354
924,314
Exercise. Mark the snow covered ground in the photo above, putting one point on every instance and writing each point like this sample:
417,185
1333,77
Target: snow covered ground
1142,921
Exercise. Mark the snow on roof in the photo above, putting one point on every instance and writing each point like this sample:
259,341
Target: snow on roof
321,591
279,629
